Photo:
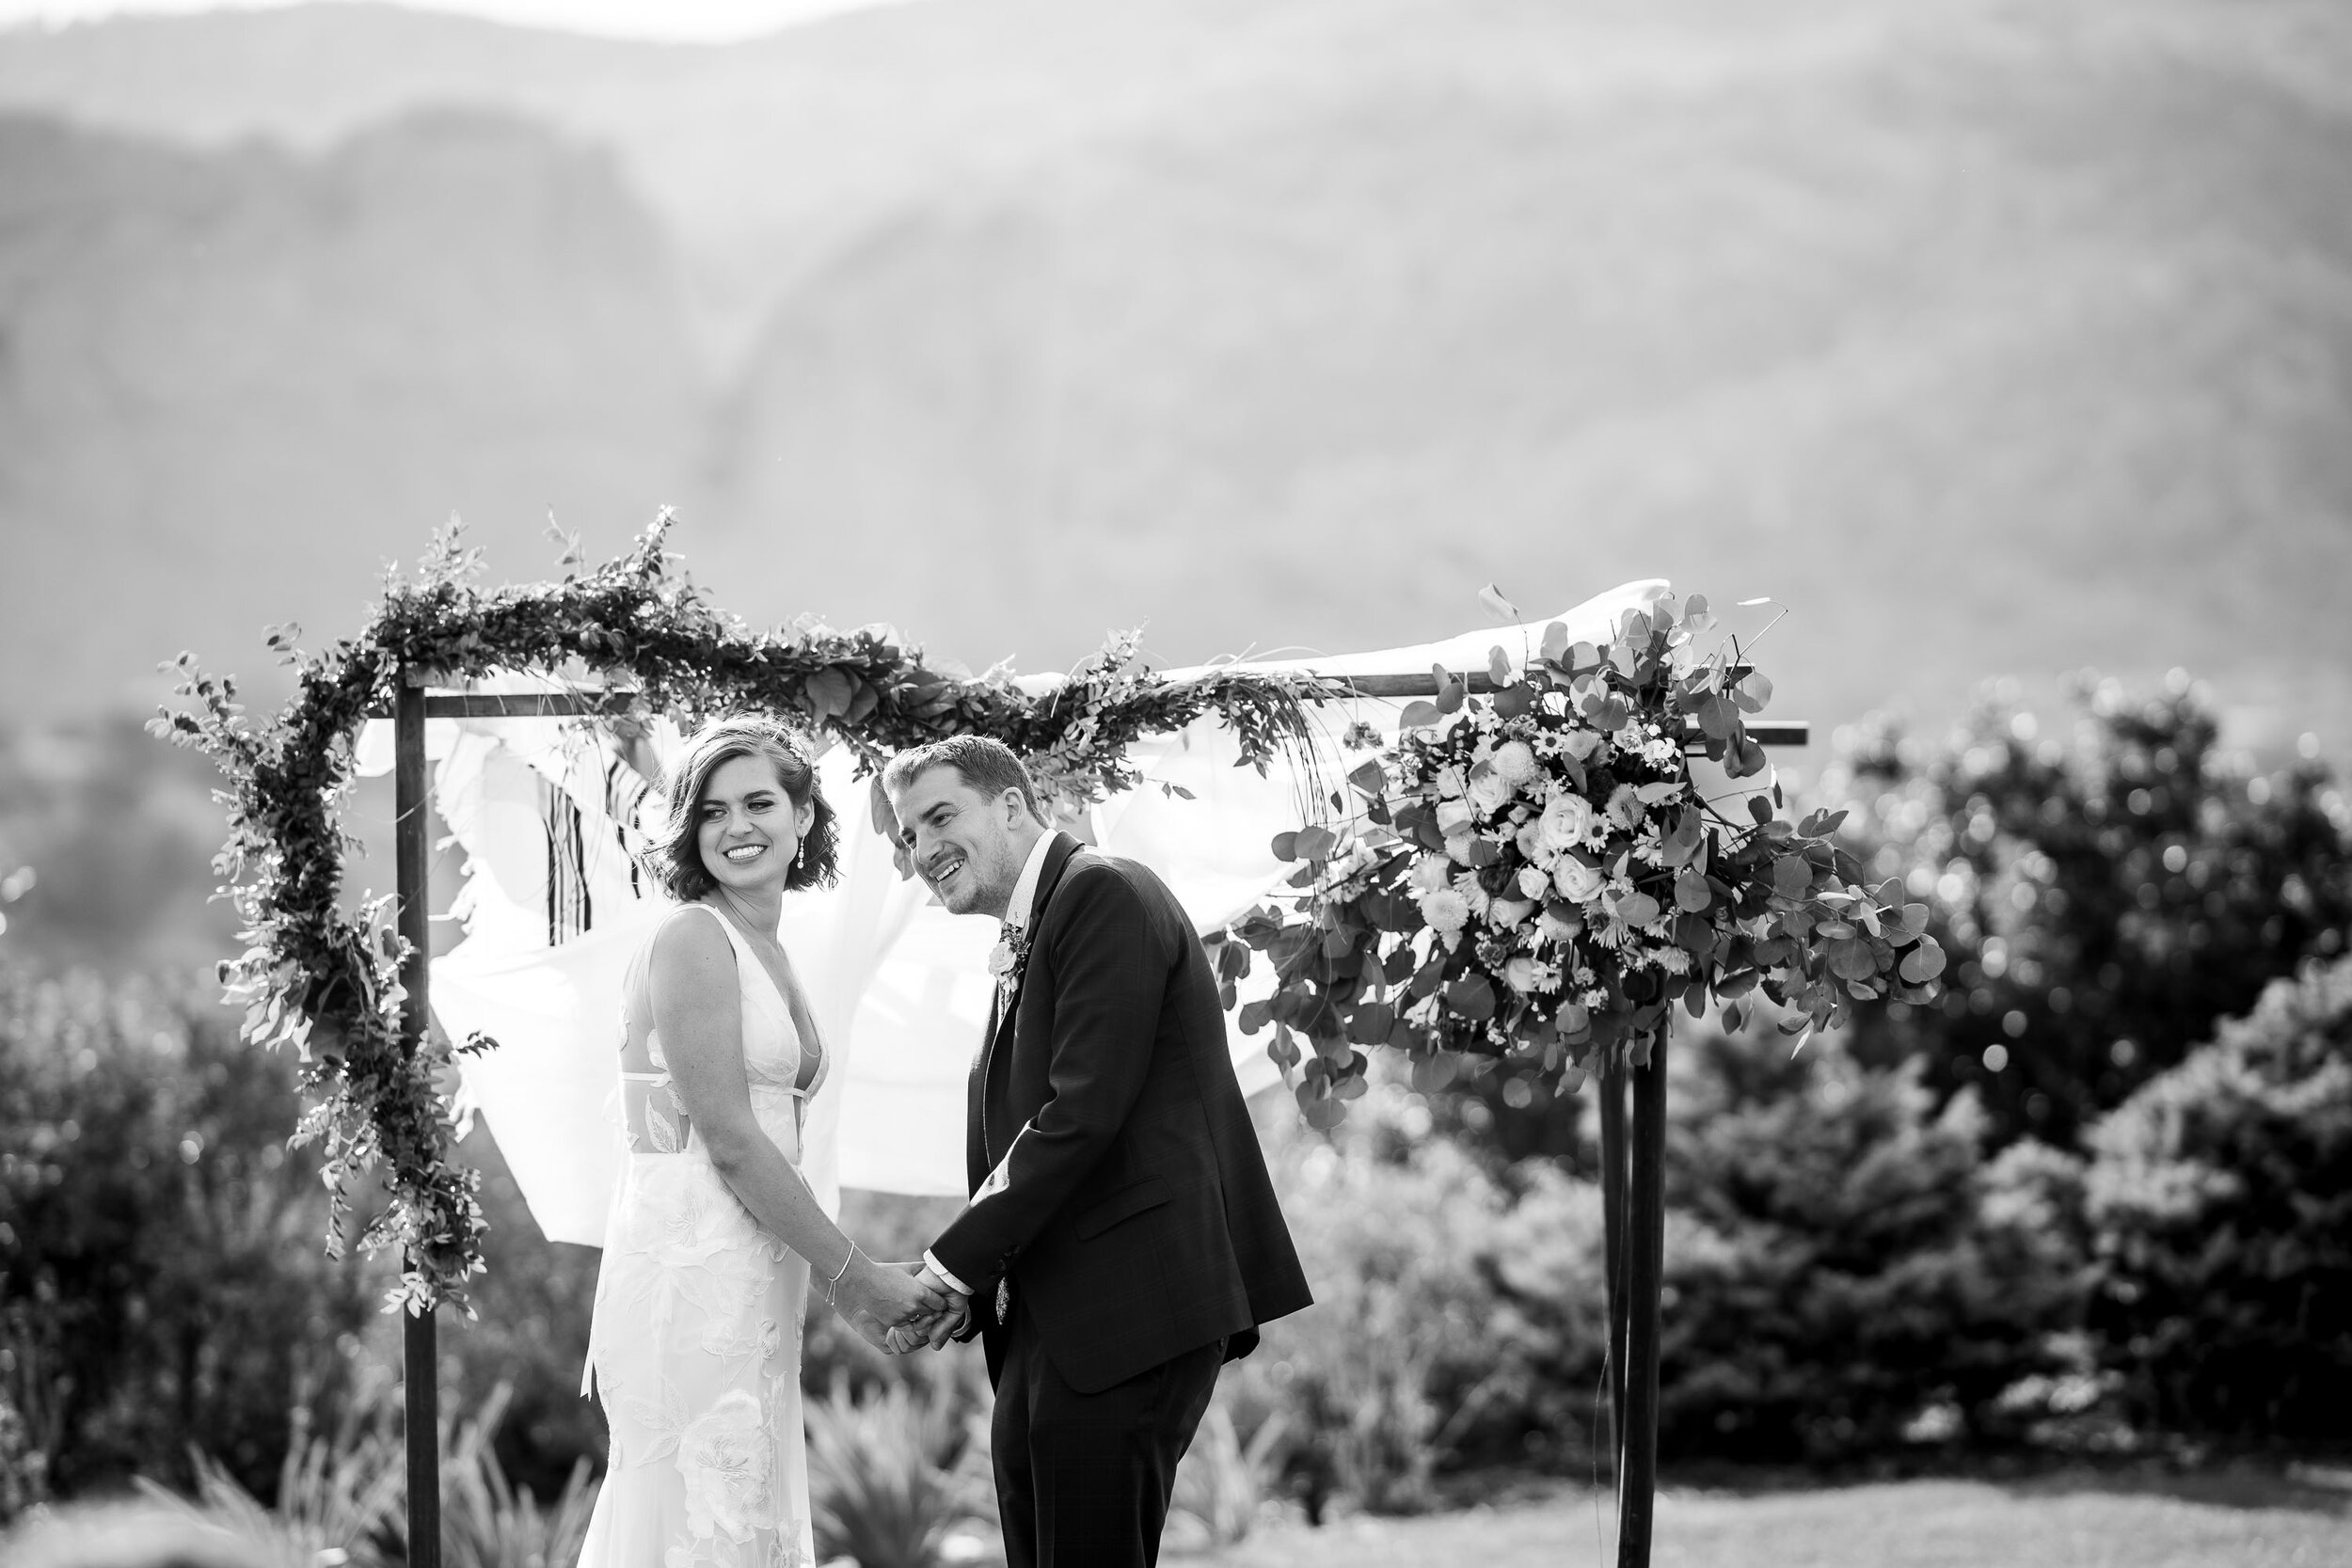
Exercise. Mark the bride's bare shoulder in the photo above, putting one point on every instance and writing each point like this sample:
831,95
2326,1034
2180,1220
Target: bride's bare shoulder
690,937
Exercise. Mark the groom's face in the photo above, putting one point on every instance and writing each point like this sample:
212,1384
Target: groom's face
968,848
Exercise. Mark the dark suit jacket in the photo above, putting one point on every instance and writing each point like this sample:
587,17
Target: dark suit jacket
1133,1214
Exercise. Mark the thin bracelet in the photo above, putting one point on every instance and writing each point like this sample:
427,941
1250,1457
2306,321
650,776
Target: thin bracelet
848,1258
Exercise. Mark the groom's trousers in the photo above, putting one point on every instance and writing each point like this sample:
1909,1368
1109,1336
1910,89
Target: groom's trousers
1083,1480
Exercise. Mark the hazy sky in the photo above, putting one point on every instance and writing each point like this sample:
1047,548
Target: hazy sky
700,20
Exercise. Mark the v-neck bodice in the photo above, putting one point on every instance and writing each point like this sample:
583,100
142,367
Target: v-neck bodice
779,1064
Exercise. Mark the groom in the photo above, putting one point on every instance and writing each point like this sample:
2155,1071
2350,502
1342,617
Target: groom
1122,1240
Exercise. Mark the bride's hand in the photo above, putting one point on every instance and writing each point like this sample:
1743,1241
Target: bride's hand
888,1293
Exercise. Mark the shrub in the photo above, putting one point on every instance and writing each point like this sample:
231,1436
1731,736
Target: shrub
162,1277
885,1485
1839,1261
530,1336
2220,1199
1378,1382
1222,1484
2108,890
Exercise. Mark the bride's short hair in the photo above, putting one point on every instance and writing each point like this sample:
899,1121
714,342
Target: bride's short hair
676,858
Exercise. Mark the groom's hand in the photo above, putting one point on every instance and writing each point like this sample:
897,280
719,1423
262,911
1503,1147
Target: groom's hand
950,1322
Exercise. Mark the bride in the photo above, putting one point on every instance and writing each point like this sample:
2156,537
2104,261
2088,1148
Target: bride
695,1345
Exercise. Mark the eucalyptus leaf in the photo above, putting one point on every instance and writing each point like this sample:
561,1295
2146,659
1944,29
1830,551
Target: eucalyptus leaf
1923,963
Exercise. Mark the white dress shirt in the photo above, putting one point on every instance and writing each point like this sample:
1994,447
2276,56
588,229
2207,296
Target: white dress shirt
1016,919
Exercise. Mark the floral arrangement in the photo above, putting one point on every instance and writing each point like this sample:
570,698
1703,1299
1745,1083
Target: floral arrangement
1531,873
326,980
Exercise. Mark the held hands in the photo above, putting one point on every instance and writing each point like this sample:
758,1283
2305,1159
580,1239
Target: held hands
940,1326
885,1300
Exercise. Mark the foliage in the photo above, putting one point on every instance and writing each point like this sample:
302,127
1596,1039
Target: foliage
327,982
332,1497
157,1281
884,1481
1839,1261
342,1497
1534,875
1222,1484
1401,1353
530,1335
486,1520
2108,892
2220,1199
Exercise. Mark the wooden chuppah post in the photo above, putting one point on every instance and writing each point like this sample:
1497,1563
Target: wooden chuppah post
1610,1086
419,1355
1635,1325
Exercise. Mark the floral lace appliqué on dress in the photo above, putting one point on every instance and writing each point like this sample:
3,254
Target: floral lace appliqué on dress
695,1346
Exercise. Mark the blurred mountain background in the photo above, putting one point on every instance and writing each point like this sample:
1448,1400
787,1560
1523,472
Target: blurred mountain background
1990,336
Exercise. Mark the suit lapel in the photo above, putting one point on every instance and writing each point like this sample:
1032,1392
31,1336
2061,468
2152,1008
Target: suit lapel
1002,1008
1058,855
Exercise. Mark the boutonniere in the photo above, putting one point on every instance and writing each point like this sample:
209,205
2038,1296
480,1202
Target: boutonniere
1009,956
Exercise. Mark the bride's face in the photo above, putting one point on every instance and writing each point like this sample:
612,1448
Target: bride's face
747,829
963,844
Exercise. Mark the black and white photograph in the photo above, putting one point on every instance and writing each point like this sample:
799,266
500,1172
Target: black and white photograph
1254,784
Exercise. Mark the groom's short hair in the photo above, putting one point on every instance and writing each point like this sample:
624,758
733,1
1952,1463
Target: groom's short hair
987,765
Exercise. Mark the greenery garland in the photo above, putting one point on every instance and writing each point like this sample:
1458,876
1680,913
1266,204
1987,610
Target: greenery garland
1533,875
327,982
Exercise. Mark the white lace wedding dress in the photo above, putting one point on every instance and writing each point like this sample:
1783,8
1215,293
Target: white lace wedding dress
695,1346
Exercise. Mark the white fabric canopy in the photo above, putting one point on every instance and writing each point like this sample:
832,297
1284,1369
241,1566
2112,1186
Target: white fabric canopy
553,910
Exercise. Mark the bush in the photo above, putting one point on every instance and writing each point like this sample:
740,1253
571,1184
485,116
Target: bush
888,1481
162,1275
1222,1484
1381,1381
2108,891
2220,1199
530,1335
1840,1262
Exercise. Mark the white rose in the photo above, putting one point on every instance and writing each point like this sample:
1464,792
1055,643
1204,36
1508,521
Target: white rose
1534,882
1519,975
1567,822
1488,791
1581,744
1515,762
1430,873
1452,817
1445,909
1577,881
1509,912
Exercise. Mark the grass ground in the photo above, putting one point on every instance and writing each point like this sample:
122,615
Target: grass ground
2068,1520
